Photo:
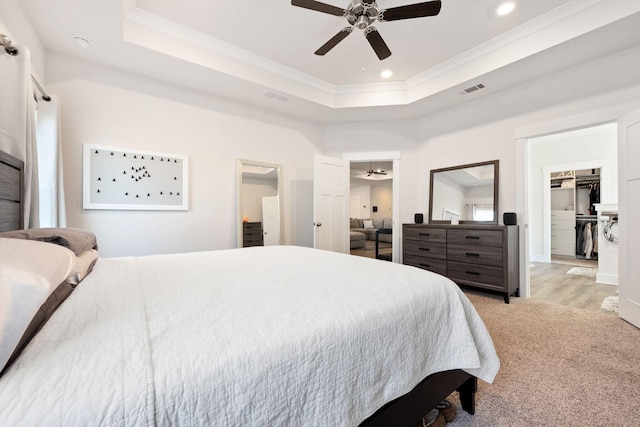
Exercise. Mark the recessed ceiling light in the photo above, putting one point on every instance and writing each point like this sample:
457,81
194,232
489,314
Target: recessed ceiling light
81,41
386,74
505,8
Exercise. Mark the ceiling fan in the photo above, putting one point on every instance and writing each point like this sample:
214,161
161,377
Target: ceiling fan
371,171
362,14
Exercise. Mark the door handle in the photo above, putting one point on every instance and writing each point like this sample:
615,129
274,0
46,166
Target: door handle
317,224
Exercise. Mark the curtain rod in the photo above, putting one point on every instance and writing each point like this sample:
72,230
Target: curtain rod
6,42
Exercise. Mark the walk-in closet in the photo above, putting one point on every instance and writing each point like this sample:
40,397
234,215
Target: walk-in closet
574,225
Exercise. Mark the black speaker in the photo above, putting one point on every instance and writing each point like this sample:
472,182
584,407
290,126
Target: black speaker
418,218
509,218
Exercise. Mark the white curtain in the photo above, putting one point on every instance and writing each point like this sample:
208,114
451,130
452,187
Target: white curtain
18,125
52,203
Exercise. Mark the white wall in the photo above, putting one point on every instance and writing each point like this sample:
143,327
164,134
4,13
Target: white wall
253,190
382,197
105,106
15,24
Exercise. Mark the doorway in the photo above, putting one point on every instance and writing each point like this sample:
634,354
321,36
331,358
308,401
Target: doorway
563,267
371,213
389,162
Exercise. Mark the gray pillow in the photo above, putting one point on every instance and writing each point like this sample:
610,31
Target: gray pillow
388,223
75,239
378,222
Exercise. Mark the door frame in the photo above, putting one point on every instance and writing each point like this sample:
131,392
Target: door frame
523,170
386,156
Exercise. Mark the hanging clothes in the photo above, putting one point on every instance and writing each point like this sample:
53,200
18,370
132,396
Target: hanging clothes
18,124
594,233
588,240
579,239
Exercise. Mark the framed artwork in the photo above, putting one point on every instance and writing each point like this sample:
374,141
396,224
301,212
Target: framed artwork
124,178
449,215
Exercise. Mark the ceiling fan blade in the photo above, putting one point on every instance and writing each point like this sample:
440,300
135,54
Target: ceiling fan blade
334,41
320,7
418,10
375,40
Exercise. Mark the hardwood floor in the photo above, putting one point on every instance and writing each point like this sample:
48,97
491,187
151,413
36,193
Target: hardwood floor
550,282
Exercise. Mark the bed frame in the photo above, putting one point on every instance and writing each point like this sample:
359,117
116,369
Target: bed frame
406,410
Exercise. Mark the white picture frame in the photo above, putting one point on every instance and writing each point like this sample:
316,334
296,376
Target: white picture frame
122,178
448,215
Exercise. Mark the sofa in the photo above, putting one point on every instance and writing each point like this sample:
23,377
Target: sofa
368,227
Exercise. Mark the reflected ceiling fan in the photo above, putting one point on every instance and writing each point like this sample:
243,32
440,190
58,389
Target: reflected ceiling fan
371,171
362,14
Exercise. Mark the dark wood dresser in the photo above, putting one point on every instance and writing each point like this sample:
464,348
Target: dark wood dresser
252,234
484,257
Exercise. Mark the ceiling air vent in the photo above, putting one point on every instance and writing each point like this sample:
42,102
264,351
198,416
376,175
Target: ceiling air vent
472,89
278,96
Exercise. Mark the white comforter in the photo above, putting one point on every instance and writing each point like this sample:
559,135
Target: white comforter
279,336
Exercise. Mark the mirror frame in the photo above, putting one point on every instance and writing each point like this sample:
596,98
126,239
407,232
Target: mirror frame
239,164
496,176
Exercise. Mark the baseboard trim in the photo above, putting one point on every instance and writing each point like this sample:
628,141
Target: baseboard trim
607,279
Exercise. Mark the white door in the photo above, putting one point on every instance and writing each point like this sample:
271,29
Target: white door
629,212
331,204
271,220
354,207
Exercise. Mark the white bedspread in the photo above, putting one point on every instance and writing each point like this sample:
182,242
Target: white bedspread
278,336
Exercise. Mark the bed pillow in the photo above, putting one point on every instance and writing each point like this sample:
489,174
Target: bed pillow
76,239
368,223
82,267
30,272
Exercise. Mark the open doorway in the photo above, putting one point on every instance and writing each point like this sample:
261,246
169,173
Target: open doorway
371,209
389,161
566,170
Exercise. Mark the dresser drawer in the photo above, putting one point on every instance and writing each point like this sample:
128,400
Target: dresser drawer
432,264
566,235
474,237
563,247
563,224
428,234
425,248
556,214
485,274
252,226
486,255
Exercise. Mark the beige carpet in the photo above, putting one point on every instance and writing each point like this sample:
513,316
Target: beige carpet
560,366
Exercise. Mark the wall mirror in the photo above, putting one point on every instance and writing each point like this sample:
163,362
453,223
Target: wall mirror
259,203
466,193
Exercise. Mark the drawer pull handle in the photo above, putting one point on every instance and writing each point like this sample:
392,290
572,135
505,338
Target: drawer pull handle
425,265
424,249
472,237
424,234
472,254
473,273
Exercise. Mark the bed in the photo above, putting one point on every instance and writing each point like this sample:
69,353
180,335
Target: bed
242,337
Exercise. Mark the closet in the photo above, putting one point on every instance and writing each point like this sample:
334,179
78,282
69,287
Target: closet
573,216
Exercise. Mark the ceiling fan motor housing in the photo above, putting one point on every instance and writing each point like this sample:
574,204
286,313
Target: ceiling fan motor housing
362,13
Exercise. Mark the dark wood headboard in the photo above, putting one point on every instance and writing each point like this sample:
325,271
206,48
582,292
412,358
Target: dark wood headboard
11,182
